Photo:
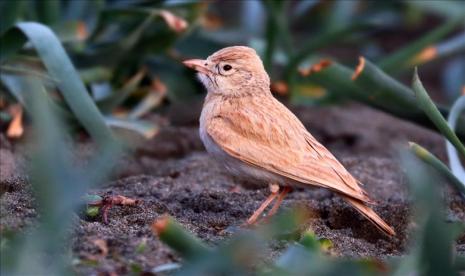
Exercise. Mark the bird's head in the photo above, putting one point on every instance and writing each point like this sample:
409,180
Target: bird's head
232,71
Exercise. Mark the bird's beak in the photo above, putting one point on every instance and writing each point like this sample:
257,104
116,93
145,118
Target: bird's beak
199,65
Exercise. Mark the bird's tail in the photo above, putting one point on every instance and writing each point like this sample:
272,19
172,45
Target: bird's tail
371,215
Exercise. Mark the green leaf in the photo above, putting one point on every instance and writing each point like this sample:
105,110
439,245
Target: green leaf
450,47
400,58
374,87
430,159
389,94
174,235
59,67
388,91
433,113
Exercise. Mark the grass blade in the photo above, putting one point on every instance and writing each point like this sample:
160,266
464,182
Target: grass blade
433,113
430,159
60,68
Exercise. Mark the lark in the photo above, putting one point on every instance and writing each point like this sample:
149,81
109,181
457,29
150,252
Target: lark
255,136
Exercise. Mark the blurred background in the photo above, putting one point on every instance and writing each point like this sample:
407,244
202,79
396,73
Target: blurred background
128,53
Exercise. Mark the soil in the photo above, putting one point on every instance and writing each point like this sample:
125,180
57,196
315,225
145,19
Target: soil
172,174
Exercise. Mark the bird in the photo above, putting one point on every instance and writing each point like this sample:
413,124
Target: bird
252,134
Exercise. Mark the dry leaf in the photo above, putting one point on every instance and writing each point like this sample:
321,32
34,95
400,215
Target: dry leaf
15,129
317,67
176,23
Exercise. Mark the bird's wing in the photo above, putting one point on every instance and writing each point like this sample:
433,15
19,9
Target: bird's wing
264,133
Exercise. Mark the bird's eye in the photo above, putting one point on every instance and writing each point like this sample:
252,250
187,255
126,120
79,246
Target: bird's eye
227,67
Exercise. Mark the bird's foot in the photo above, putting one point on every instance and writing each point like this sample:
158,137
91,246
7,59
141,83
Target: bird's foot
274,189
274,193
277,204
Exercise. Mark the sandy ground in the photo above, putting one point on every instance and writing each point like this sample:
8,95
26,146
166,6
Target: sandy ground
173,174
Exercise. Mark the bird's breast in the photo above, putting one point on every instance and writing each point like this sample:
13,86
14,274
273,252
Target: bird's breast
234,166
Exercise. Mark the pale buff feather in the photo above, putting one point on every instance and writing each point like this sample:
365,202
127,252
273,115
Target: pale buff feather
249,124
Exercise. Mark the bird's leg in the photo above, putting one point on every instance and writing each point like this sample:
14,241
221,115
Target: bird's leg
278,202
274,193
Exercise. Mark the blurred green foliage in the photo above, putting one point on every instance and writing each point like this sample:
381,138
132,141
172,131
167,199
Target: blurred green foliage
455,147
110,63
121,48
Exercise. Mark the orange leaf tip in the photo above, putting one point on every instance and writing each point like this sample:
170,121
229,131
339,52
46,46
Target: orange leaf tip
317,67
425,55
16,129
160,225
359,68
